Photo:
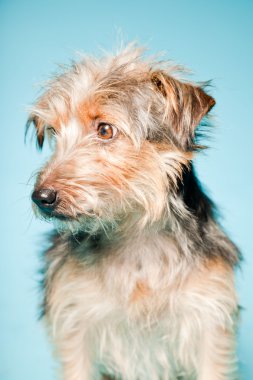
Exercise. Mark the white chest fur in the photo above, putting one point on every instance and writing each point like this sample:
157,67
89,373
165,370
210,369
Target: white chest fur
134,312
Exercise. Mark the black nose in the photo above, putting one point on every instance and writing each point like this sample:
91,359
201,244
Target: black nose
45,199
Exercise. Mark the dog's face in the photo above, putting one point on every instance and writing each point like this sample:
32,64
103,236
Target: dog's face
123,132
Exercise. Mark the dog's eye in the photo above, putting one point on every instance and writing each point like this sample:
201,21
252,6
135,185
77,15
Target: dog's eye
106,131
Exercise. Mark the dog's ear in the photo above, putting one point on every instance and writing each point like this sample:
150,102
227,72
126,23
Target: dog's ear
185,106
39,126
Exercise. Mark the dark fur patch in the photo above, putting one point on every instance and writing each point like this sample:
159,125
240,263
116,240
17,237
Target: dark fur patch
194,197
203,228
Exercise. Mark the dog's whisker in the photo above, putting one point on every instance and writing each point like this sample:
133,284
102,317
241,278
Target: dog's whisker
29,223
18,200
25,184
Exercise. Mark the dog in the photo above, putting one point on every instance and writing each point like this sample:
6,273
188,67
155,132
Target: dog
139,275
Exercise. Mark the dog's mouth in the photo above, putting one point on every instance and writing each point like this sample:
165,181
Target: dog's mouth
49,214
55,215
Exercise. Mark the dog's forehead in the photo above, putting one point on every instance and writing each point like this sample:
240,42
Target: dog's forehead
90,88
141,96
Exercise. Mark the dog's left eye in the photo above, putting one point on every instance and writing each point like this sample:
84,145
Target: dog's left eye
51,130
106,131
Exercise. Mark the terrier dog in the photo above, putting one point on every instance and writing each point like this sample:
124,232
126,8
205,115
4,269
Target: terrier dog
138,281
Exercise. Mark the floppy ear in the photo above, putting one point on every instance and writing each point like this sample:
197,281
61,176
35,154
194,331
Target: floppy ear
185,106
39,126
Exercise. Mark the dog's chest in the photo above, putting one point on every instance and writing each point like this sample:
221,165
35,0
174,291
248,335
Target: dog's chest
126,306
132,278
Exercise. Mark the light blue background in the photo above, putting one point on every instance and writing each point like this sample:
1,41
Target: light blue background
214,38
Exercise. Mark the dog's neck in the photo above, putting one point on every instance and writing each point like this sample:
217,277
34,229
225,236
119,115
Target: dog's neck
135,230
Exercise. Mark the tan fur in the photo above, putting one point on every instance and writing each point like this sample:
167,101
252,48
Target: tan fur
141,290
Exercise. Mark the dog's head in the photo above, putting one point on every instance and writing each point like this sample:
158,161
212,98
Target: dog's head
124,130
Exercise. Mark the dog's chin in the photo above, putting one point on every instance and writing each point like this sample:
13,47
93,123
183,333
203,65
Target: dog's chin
64,218
82,222
64,223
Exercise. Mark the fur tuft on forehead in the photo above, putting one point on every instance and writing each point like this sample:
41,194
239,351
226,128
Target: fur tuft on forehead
146,96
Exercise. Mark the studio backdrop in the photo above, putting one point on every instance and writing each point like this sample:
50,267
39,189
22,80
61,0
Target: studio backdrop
214,40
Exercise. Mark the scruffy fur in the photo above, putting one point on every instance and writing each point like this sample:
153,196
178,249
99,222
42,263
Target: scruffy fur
138,281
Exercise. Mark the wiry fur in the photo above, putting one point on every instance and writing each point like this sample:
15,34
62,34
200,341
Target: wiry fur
139,278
